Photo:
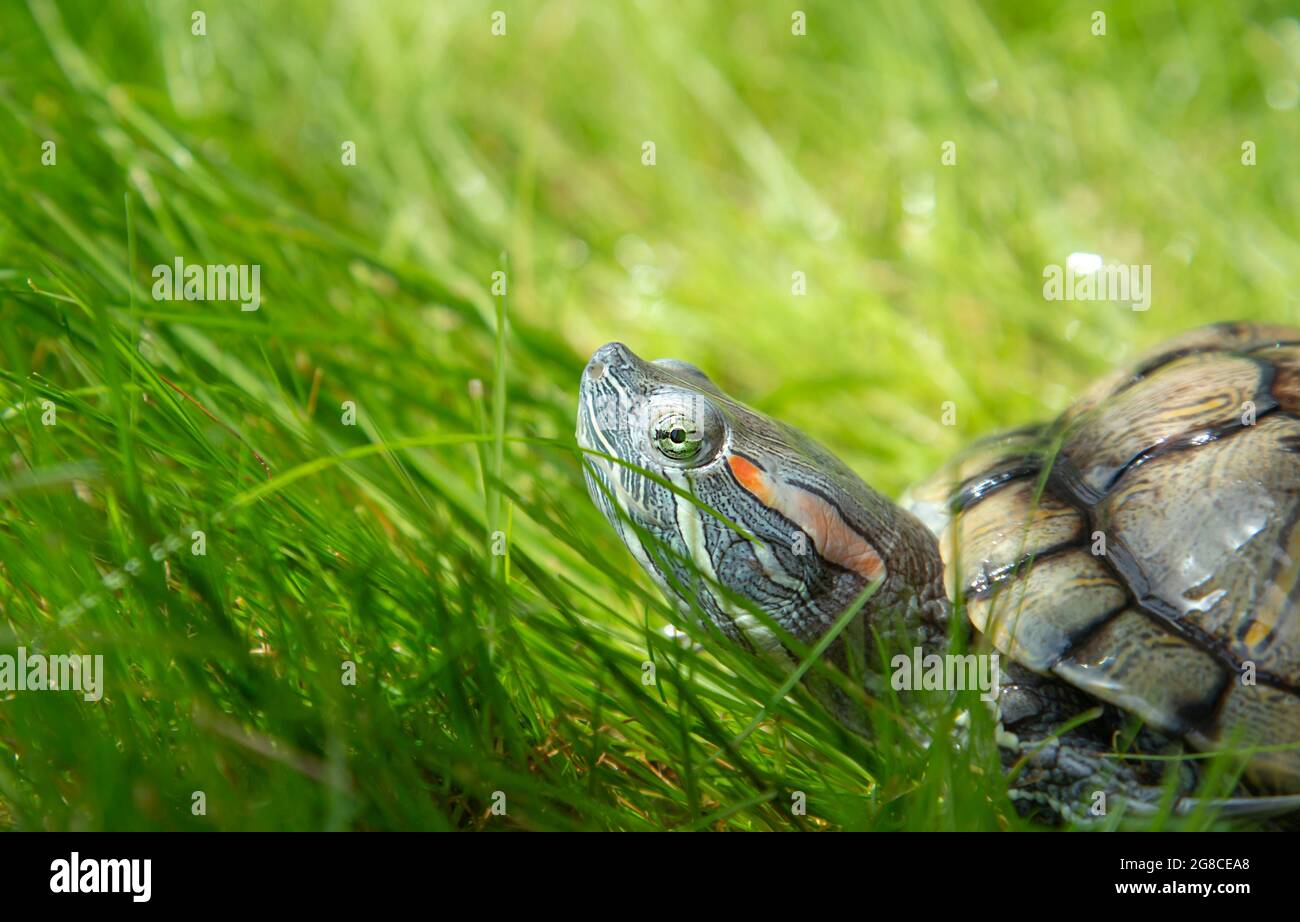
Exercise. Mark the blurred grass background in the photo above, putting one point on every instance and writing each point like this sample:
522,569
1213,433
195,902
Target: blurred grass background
775,154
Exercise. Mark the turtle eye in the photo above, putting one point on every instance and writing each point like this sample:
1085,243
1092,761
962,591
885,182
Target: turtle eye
677,437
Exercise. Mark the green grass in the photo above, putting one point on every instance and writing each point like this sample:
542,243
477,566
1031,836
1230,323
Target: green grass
371,543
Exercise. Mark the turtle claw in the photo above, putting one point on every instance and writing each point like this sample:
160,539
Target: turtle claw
1240,807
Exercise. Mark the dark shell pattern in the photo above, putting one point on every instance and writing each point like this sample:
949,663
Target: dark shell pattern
1145,547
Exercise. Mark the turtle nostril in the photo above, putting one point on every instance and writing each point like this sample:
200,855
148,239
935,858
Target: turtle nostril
615,354
595,370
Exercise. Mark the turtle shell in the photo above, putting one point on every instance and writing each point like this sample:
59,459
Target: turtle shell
1145,547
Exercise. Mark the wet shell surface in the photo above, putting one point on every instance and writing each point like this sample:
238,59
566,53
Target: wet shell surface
1145,547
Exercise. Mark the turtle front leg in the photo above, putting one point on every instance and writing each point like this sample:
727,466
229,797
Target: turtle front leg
1074,775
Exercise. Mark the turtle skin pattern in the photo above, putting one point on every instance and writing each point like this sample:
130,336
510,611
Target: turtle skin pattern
1145,547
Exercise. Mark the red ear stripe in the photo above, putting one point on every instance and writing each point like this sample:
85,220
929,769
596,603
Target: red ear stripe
834,538
752,477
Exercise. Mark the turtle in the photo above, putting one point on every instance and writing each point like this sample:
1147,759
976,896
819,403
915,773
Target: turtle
1138,557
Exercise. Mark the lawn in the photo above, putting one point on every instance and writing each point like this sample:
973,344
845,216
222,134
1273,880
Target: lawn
336,552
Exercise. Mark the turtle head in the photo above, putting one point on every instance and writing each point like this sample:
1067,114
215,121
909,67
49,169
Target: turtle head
755,506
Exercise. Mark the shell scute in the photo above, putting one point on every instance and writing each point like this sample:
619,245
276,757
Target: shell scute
1059,600
1188,468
